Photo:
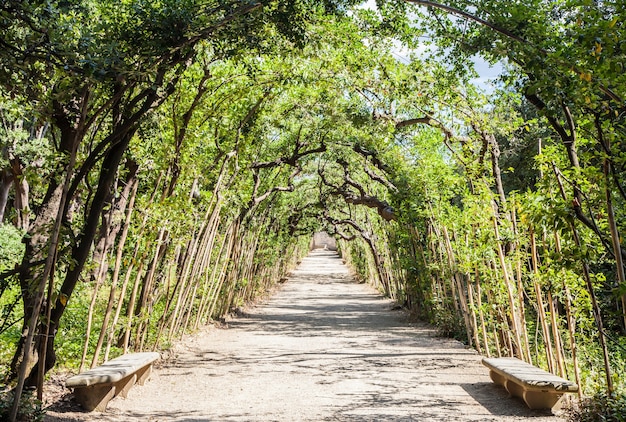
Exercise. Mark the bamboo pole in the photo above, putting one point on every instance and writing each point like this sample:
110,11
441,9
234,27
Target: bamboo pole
204,262
515,325
571,323
171,273
597,312
46,277
232,233
494,312
541,314
474,320
128,276
147,285
99,279
615,236
556,335
120,300
116,272
194,257
188,297
131,307
203,314
181,284
520,290
92,305
482,319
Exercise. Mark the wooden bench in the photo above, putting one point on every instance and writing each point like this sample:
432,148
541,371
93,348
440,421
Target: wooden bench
539,389
94,388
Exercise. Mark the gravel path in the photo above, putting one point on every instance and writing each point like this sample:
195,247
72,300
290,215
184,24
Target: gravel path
323,348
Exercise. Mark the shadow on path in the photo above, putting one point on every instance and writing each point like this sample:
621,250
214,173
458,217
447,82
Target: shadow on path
323,348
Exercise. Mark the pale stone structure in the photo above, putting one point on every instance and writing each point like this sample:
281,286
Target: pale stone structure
321,240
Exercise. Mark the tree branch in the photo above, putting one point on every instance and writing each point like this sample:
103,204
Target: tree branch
292,160
511,35
416,121
371,155
383,208
380,179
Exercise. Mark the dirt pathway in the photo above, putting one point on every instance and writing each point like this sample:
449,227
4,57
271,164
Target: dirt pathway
323,348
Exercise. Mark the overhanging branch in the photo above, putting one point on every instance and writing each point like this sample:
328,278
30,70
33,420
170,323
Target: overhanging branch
291,160
508,34
362,198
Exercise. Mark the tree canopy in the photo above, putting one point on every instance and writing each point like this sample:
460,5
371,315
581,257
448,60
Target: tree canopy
164,162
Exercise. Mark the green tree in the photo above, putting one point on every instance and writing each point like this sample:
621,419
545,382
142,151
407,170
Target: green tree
96,69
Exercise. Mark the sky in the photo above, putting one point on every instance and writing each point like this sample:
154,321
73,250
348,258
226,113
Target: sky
486,72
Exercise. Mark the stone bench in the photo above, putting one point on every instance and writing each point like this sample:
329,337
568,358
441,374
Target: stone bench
94,388
539,389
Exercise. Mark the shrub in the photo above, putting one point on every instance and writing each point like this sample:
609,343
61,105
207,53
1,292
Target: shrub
11,251
11,246
600,407
30,409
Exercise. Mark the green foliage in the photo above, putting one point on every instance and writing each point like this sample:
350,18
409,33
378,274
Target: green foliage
448,322
11,251
71,336
600,407
30,409
11,246
8,340
297,117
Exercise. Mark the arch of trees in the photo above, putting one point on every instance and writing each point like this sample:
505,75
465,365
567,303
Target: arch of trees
163,162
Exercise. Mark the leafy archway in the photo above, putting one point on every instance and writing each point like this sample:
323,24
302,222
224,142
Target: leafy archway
168,162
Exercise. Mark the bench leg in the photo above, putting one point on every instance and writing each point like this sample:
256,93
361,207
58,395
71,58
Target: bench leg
143,374
515,390
541,399
124,385
533,399
94,397
497,378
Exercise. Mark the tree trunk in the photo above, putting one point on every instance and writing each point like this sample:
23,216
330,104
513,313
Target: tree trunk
34,255
6,181
80,252
33,279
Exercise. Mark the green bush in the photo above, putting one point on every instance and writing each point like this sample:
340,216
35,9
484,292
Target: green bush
11,251
11,246
449,323
30,409
600,407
